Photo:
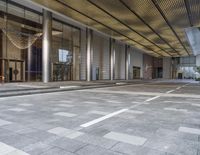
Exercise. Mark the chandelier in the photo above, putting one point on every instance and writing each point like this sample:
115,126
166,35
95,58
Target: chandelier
19,39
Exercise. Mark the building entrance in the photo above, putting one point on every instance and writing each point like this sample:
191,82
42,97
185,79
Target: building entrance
62,72
12,70
136,72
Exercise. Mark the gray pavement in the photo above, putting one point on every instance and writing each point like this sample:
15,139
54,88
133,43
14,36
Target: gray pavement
144,118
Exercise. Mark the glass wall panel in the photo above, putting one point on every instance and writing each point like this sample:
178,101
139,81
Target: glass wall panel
21,46
65,54
20,43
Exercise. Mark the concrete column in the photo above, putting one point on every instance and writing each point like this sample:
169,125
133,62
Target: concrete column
167,68
112,59
89,46
198,60
46,45
127,60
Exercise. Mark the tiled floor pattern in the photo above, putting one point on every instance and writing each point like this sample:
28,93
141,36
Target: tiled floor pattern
50,124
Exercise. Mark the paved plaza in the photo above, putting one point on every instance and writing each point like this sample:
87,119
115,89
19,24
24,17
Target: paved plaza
142,118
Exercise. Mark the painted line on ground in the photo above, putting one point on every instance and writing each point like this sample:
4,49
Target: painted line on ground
175,109
168,92
178,88
195,104
189,130
103,118
153,98
114,114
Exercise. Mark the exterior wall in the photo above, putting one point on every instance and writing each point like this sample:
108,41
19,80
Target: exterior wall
101,57
136,59
157,68
119,61
157,62
148,66
185,68
167,68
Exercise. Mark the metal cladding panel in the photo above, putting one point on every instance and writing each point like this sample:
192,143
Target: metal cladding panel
83,55
194,7
167,67
136,60
101,57
193,35
119,61
177,15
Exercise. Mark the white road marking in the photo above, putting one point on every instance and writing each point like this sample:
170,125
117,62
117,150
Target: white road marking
90,102
186,84
17,109
65,114
168,101
64,101
195,104
25,104
175,109
135,102
178,88
153,98
66,105
170,91
113,101
189,130
67,87
120,83
103,118
134,140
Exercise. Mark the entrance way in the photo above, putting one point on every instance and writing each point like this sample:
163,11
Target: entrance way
62,72
136,72
180,76
12,70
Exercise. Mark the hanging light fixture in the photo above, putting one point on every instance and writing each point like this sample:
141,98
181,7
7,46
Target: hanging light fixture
19,39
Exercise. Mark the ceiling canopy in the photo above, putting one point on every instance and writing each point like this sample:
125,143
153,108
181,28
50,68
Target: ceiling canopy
156,26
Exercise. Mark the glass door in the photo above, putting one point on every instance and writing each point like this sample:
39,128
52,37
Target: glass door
136,72
62,72
16,71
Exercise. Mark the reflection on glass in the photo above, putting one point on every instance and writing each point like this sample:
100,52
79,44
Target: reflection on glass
21,46
65,56
66,53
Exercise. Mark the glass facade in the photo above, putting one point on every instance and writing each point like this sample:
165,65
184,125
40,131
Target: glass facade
66,52
21,46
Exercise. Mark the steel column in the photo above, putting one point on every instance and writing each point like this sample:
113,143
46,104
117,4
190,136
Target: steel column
46,45
127,60
89,46
112,59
